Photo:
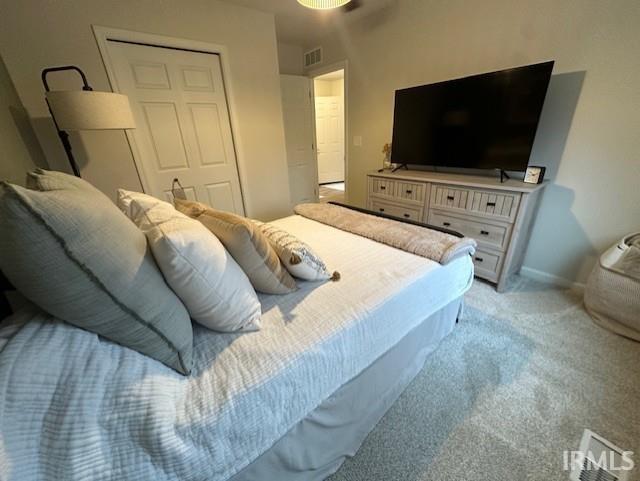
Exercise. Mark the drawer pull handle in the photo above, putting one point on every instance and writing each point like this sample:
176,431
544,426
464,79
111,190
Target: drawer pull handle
491,204
382,187
407,215
381,209
450,197
446,224
484,232
479,259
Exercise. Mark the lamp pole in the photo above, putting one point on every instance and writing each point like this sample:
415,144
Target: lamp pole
64,136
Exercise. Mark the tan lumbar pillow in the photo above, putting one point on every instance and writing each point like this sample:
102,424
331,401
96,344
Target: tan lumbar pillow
246,244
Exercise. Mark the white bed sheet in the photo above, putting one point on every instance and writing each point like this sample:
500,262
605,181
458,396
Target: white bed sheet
75,406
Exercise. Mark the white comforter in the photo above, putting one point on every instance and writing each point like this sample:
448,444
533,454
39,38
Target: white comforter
74,406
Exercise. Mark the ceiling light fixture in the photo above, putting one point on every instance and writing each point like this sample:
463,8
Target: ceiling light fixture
323,4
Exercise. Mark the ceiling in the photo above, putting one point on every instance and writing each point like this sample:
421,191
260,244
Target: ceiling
302,26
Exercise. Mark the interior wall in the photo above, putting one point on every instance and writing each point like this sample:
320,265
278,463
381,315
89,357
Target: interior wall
290,59
19,149
41,33
589,131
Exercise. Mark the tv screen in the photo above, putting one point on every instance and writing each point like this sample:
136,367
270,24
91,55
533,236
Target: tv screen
485,121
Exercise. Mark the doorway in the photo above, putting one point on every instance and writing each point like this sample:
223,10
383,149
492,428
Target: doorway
329,108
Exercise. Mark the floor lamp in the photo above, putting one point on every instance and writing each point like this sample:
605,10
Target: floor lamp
85,110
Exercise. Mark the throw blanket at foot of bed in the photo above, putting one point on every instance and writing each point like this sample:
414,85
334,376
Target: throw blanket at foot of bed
416,239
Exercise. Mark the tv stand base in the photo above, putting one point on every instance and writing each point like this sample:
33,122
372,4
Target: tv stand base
401,166
503,176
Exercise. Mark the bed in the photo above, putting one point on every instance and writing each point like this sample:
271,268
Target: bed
288,402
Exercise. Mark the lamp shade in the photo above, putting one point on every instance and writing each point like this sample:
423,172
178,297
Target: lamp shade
89,110
323,4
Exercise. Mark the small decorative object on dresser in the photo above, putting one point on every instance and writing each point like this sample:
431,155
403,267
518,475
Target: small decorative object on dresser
498,215
534,174
386,150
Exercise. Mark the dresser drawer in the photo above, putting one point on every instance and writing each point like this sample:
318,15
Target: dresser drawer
444,196
395,210
410,190
380,186
485,203
494,235
487,264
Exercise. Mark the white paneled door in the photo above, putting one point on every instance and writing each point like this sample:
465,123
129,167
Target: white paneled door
330,135
298,131
183,127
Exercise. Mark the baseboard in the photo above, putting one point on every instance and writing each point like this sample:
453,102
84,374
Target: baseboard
548,278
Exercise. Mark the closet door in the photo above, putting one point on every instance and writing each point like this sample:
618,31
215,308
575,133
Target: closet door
183,127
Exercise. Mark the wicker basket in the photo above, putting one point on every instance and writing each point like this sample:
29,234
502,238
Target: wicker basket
613,297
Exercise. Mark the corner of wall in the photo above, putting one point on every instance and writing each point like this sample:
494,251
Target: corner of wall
290,59
21,151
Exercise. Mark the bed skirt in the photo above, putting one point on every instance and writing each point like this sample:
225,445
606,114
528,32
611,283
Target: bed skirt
316,447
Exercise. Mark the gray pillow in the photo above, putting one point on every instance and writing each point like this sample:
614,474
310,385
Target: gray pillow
70,250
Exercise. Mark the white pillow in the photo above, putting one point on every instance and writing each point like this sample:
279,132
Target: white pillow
299,259
213,287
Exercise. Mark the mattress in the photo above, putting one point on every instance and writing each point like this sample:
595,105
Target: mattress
75,406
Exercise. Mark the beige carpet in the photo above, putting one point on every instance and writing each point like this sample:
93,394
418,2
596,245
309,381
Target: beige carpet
521,376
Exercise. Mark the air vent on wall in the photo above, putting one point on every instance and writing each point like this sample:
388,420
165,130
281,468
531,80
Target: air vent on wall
601,460
313,57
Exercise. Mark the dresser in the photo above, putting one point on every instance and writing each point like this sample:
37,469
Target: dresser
499,216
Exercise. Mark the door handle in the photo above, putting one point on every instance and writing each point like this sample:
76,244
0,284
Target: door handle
381,209
407,215
408,191
450,197
484,232
446,224
479,259
382,187
491,204
177,190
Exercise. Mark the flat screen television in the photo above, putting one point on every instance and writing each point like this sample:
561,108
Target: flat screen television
485,121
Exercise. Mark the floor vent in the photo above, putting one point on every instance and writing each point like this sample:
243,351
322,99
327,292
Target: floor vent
592,472
601,460
313,57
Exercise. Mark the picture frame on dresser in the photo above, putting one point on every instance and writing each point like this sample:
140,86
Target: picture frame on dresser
499,215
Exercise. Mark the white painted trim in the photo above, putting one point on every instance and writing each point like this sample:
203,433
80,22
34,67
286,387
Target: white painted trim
548,278
312,74
316,72
104,34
